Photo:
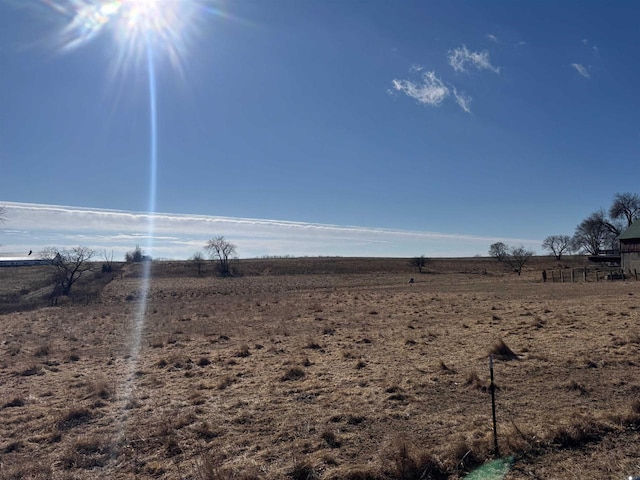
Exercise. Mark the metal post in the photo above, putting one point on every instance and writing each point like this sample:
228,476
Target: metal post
492,389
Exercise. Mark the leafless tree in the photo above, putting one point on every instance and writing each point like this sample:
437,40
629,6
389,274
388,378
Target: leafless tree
518,257
558,245
221,249
419,262
3,214
594,233
68,265
499,251
107,257
198,261
626,206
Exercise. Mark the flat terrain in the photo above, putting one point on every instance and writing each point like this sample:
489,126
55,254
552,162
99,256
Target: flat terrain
330,369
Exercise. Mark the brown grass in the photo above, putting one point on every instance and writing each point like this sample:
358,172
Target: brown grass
324,368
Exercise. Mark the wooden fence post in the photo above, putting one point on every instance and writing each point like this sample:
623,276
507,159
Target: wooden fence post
561,276
573,275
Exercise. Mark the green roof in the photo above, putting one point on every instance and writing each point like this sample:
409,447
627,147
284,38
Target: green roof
632,232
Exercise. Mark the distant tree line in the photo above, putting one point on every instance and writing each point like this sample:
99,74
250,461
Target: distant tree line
599,231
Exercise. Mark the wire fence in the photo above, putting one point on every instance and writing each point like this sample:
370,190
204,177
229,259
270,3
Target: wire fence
588,274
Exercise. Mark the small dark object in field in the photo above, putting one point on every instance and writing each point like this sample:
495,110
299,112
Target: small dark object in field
204,361
294,373
331,439
16,402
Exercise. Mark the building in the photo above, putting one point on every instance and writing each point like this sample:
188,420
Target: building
630,248
22,262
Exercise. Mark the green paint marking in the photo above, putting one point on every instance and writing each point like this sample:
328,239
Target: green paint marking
495,470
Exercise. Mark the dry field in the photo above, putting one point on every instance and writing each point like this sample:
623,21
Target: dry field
338,369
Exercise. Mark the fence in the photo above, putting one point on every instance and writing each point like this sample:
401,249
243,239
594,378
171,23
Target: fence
588,274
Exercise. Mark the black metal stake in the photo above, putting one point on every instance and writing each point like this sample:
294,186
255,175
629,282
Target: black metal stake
492,389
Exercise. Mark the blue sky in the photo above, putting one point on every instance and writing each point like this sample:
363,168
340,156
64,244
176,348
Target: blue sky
474,120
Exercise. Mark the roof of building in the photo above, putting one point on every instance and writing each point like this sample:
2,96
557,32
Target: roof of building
633,232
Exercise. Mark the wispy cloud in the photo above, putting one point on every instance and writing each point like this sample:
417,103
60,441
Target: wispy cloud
592,47
492,37
461,58
180,236
581,69
429,90
463,100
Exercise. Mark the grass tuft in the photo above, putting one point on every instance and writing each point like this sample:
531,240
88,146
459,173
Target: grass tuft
501,351
294,373
74,417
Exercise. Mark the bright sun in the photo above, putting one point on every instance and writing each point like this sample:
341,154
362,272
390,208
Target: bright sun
137,26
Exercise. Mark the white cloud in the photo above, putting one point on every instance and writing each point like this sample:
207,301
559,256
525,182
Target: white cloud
180,236
493,38
463,100
430,90
461,57
581,69
592,47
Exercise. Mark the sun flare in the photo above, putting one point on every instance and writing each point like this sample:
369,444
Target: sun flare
136,26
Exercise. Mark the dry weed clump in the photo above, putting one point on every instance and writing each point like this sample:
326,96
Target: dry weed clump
225,382
578,433
294,373
16,402
243,351
210,467
501,351
331,439
87,452
74,417
474,381
303,471
407,465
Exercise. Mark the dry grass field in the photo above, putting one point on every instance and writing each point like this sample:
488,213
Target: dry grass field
323,369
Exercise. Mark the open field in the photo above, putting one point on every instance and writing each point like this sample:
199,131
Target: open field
326,368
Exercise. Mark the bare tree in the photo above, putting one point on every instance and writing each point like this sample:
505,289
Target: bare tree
499,251
518,257
3,214
626,206
107,257
221,249
558,245
419,262
69,265
198,261
594,232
